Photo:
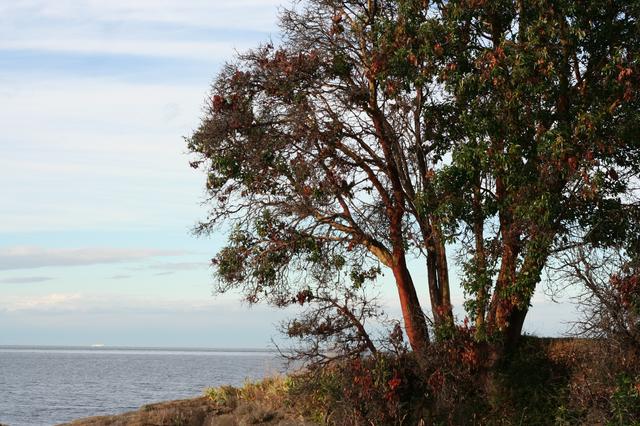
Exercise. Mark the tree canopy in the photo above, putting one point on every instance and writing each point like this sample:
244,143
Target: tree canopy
377,130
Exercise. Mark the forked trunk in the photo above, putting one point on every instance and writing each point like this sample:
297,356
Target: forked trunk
438,279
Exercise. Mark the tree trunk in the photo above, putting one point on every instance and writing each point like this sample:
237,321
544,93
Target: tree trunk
432,282
505,298
480,261
513,330
438,278
413,316
446,311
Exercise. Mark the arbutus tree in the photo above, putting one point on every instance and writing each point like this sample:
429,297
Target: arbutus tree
544,141
379,130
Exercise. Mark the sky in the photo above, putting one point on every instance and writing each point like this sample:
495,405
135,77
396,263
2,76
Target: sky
98,200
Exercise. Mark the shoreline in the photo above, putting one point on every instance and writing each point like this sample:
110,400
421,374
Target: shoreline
198,411
255,403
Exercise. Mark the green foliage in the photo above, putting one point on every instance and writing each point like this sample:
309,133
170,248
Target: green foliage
532,387
625,401
224,395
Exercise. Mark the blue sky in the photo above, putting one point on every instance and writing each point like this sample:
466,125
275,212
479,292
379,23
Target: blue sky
97,196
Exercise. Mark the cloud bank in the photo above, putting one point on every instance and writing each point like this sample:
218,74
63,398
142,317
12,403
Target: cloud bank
164,28
114,304
39,257
24,280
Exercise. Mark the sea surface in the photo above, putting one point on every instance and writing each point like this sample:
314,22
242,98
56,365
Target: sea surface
51,385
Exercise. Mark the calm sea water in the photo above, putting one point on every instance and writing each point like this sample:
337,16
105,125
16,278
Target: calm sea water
46,386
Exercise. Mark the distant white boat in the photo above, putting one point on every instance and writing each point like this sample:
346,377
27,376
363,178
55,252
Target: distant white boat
97,345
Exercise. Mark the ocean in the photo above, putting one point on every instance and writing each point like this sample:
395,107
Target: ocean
51,385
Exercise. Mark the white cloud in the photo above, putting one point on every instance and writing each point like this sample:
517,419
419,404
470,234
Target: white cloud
24,280
79,318
167,28
239,14
88,104
106,303
209,51
38,257
39,303
102,155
